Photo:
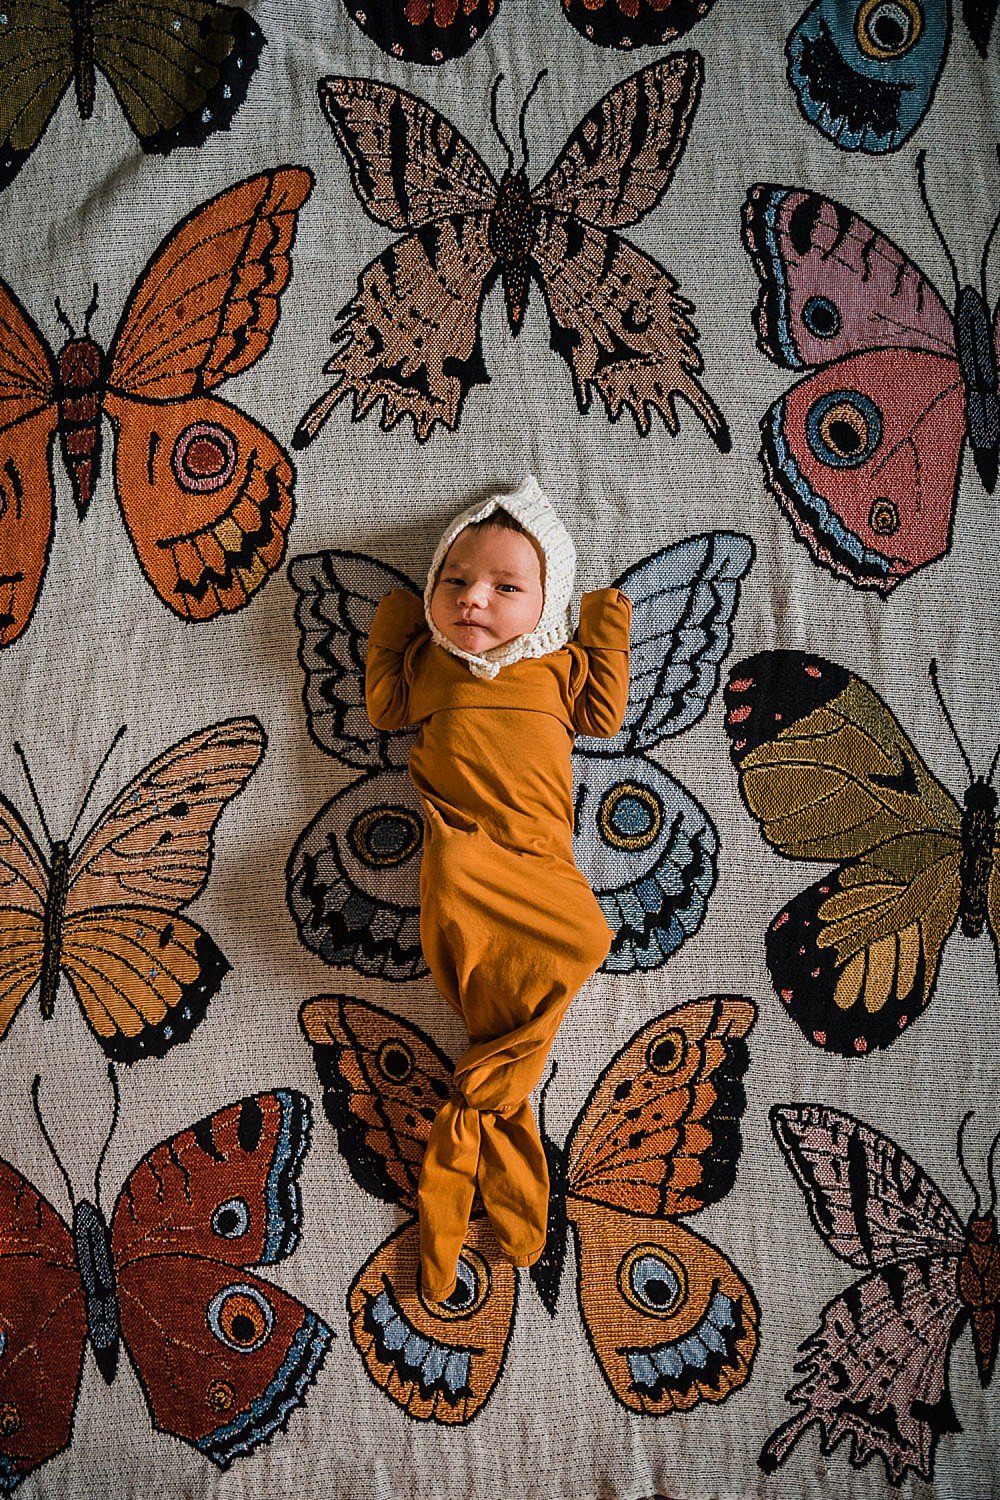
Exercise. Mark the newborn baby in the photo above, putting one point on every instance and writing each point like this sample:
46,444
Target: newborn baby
509,927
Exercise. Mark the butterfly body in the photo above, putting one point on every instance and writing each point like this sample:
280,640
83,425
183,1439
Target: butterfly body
978,834
977,360
96,1265
512,232
79,398
979,1289
223,1356
81,20
55,910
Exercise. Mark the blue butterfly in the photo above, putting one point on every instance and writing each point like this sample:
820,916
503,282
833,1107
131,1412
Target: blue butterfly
644,843
865,71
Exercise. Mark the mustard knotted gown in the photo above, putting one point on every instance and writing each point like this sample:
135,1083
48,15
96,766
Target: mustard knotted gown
509,927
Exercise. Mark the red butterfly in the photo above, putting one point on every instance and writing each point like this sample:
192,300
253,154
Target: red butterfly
223,1357
411,337
435,31
205,493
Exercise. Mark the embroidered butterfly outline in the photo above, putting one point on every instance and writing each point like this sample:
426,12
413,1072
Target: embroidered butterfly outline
411,337
876,1369
644,843
106,913
864,455
683,1324
223,1357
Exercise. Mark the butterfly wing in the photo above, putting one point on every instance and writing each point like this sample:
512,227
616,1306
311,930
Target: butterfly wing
338,594
875,1369
384,1081
439,1361
670,1320
28,418
205,493
868,482
354,878
645,845
180,71
36,64
865,75
223,1357
634,23
143,974
614,313
42,1330
423,31
24,889
829,775
410,337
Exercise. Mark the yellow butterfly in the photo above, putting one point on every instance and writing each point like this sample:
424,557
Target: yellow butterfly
669,1319
829,775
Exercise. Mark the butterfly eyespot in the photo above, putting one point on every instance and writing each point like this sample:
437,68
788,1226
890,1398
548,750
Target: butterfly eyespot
384,837
471,1291
822,317
220,1395
204,457
652,1280
666,1052
241,1318
887,29
396,1061
883,518
231,1219
630,816
844,429
10,1418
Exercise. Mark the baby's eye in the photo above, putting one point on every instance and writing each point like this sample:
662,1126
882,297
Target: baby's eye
510,587
454,580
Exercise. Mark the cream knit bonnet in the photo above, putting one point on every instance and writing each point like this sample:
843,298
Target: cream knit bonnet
528,505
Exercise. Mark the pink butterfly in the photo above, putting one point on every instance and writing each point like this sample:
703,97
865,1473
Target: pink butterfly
875,1371
865,454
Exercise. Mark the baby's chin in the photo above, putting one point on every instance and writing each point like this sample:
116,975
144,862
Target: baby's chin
475,639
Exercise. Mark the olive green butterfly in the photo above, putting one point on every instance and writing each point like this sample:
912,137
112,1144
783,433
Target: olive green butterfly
179,68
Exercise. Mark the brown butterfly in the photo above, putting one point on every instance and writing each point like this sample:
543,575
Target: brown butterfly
106,914
411,337
670,1320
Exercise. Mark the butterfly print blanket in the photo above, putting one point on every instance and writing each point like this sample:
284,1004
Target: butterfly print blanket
283,289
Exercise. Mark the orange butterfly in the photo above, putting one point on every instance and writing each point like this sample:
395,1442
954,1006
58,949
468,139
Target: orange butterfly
670,1320
205,493
106,913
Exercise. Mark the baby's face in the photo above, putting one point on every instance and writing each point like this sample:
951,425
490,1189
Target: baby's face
488,590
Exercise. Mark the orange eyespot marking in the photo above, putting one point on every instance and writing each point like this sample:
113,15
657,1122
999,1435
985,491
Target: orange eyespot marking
241,1317
220,1395
666,1052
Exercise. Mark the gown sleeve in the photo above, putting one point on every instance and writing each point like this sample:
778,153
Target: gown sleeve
603,632
398,630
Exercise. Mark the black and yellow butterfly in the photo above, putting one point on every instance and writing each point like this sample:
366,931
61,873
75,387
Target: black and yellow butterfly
179,68
829,775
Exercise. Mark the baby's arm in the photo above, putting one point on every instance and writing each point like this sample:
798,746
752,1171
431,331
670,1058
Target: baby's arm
603,632
396,630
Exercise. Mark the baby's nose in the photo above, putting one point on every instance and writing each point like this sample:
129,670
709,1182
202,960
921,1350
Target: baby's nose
476,593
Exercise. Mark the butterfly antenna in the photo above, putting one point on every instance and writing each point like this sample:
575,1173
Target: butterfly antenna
34,795
961,1161
993,765
93,783
922,184
107,1140
541,1100
524,110
949,720
991,1179
48,1141
498,80
90,310
64,320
